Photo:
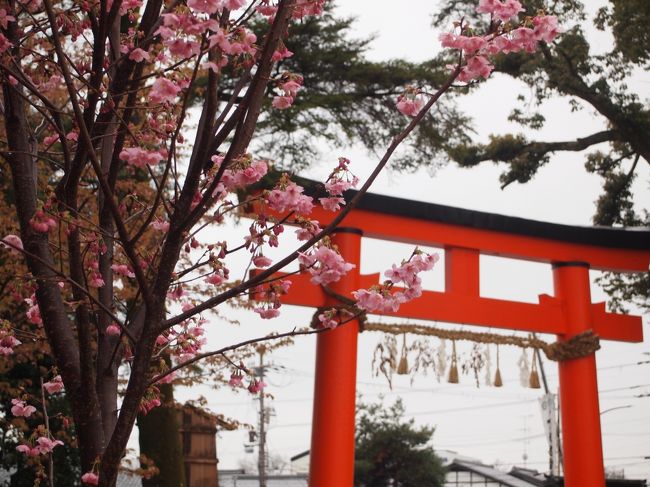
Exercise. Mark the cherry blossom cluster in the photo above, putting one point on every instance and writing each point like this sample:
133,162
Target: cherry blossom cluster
7,340
387,298
255,386
240,173
269,297
288,196
40,442
340,180
150,400
504,37
324,264
289,85
42,446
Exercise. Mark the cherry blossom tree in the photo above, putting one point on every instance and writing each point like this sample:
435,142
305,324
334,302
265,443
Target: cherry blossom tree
111,189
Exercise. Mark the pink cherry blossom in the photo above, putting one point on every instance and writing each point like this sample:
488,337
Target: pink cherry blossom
123,270
19,408
267,313
54,386
308,228
46,445
325,265
182,48
546,28
113,330
267,10
262,261
137,157
138,55
168,379
256,386
163,91
160,225
51,139
12,242
5,19
282,53
7,342
29,451
90,478
282,102
502,11
205,6
291,87
234,4
236,379
477,66
290,198
332,204
41,222
387,299
525,39
409,106
327,319
147,405
33,311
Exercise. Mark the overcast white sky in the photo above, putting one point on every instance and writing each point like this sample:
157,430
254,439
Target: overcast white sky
494,425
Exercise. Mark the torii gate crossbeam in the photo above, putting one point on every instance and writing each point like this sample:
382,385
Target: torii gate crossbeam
465,235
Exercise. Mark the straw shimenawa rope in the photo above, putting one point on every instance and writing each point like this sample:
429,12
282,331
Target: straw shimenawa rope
578,346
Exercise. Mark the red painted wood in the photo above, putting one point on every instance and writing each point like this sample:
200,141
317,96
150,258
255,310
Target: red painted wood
332,440
580,412
569,313
421,232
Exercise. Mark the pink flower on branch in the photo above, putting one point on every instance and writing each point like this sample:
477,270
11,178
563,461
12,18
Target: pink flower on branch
409,106
54,386
90,478
20,408
7,342
385,298
137,157
324,264
164,91
503,11
12,242
138,55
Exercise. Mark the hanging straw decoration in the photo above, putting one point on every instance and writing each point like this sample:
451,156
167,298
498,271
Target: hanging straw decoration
488,366
403,367
533,382
453,370
498,382
524,369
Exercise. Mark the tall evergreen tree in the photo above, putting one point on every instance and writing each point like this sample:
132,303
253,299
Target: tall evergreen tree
393,451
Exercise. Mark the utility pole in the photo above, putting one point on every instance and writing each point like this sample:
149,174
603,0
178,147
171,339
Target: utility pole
261,459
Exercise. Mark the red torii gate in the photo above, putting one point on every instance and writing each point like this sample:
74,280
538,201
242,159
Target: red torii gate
464,235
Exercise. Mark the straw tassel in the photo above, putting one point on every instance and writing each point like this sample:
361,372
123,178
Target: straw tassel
498,382
403,367
453,370
533,383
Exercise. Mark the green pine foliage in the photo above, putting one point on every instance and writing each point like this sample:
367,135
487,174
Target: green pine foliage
391,451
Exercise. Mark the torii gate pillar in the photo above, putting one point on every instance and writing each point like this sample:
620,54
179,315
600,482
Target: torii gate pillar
581,436
332,434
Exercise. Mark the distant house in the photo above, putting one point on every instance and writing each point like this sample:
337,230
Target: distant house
469,472
543,480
